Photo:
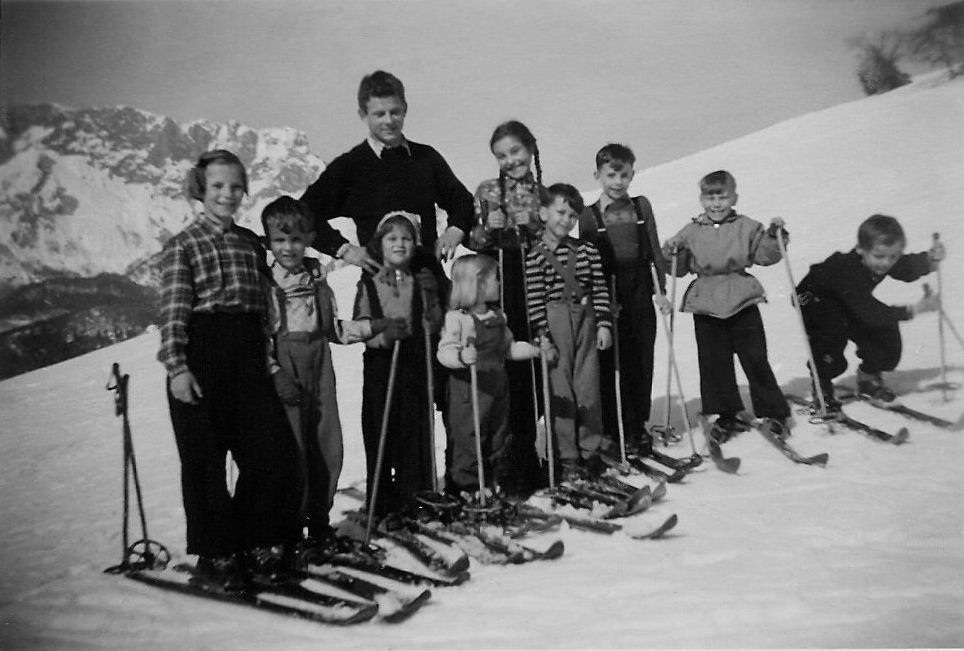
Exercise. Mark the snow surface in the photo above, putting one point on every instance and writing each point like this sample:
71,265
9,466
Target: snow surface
865,553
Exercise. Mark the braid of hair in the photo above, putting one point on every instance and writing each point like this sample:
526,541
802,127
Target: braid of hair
533,219
502,203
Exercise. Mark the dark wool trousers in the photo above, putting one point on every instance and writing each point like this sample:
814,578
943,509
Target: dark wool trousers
717,340
879,348
407,461
240,413
637,336
523,469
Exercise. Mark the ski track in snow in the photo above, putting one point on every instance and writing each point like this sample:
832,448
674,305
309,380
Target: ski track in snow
867,552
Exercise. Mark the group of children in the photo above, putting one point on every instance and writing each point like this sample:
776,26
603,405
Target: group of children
246,344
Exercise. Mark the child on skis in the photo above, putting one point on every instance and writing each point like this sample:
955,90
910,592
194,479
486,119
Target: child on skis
836,298
624,230
718,246
213,346
567,295
476,334
303,319
508,215
395,292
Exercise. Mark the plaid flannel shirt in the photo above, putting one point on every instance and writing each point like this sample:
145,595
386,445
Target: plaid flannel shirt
207,268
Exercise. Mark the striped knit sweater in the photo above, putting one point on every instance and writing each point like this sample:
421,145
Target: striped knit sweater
545,285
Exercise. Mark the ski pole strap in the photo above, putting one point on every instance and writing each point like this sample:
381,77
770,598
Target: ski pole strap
568,273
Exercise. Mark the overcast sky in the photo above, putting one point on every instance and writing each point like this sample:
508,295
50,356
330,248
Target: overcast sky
667,77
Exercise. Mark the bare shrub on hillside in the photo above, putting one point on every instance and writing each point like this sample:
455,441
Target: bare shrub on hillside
877,69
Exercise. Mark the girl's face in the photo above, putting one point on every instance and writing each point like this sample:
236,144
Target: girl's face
513,157
223,191
398,247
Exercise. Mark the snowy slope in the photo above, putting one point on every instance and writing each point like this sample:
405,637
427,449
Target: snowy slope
865,553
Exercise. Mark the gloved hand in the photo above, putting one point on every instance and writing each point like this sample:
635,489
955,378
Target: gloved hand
776,225
672,246
286,387
469,354
393,329
547,348
930,303
428,282
937,252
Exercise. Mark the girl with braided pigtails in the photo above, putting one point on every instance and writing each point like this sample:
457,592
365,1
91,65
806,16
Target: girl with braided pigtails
507,208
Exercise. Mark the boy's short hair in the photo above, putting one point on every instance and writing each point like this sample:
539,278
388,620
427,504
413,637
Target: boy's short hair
879,229
616,156
716,181
196,176
570,194
288,215
380,84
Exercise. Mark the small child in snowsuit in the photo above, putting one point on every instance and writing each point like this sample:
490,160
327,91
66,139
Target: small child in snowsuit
303,319
568,296
718,246
836,298
624,230
395,293
476,333
213,345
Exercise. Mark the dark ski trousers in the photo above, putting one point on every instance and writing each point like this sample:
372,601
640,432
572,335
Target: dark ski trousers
522,468
717,340
637,336
574,381
315,423
240,413
407,462
879,348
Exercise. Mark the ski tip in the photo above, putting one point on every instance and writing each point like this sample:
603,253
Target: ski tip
819,459
554,551
901,437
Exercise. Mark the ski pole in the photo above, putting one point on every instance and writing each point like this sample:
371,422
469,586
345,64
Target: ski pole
940,325
811,364
953,330
666,430
523,241
477,423
150,552
547,413
672,362
382,435
619,389
430,381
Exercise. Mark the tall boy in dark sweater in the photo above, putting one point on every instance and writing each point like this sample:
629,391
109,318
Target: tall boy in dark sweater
385,173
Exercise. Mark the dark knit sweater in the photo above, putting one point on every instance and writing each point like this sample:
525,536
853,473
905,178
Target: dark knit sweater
360,185
844,285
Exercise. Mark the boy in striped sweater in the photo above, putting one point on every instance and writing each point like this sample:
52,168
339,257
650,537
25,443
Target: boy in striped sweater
567,295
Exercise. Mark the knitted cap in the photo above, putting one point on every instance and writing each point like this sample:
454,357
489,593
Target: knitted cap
415,220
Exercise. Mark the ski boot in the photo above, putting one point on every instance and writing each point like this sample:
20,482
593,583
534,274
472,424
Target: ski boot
872,385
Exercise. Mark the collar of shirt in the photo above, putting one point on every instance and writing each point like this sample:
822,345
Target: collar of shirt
704,219
528,182
280,271
215,223
378,146
605,202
